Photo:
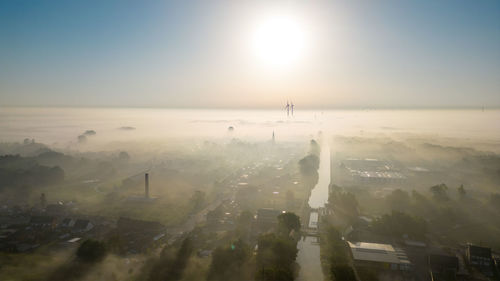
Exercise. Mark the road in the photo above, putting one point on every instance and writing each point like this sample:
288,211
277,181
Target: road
192,221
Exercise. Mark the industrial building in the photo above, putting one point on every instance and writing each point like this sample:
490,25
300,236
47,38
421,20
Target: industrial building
443,267
371,171
147,196
480,257
382,256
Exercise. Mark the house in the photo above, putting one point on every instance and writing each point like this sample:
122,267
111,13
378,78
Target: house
480,257
82,225
56,209
383,256
67,222
13,220
443,267
43,221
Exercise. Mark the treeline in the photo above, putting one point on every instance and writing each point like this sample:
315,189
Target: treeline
343,203
171,267
16,171
450,213
334,256
88,255
274,259
277,251
398,224
309,165
230,262
26,149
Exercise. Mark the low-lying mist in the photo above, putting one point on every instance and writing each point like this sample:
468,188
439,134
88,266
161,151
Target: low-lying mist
210,172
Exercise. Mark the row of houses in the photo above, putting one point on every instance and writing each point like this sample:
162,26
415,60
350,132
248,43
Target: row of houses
26,232
29,232
71,224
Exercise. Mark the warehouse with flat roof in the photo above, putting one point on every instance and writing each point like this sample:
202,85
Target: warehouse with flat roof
379,255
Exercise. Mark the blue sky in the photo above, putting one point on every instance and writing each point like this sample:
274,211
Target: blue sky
194,54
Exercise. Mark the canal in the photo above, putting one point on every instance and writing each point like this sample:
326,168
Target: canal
309,256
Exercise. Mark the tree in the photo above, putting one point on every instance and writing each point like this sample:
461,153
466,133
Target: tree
171,269
91,251
345,203
82,139
181,259
198,199
123,156
228,260
314,148
495,200
335,251
309,165
461,191
288,222
275,258
422,204
399,223
398,200
43,200
343,273
440,192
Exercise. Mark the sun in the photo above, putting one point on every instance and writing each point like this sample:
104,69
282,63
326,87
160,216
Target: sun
279,41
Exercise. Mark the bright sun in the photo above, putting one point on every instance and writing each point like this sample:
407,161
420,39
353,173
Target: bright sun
279,41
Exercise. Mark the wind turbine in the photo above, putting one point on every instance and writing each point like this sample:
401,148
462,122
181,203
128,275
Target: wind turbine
287,107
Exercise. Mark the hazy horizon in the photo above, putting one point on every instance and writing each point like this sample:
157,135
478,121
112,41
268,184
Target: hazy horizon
64,125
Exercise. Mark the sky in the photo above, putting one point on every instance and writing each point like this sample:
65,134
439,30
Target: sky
204,54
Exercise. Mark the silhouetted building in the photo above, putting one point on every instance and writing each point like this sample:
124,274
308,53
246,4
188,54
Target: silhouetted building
43,221
443,267
67,222
146,185
56,209
82,226
43,200
480,257
131,225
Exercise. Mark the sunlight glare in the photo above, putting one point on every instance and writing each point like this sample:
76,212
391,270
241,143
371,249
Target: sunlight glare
279,41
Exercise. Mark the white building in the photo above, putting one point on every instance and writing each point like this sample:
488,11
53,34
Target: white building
379,255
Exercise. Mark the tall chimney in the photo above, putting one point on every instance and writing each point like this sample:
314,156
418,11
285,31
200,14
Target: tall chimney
146,185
